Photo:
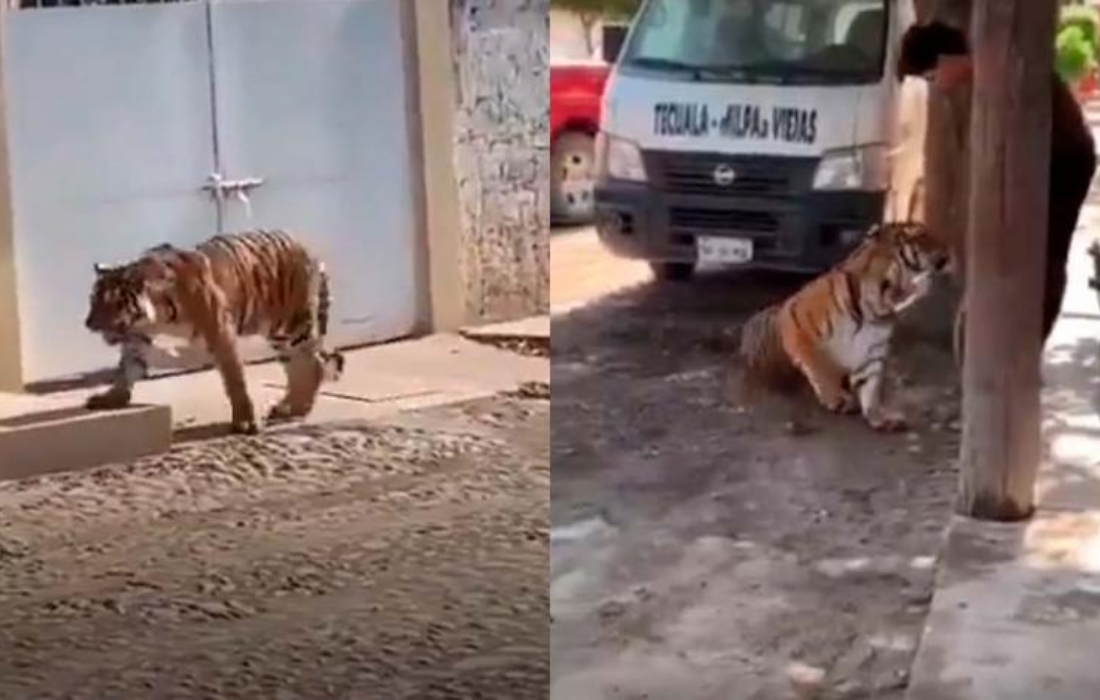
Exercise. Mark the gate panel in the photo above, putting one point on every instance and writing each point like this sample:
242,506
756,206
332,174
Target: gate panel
310,96
110,137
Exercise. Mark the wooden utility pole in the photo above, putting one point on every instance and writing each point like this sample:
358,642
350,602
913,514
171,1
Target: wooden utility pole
1013,47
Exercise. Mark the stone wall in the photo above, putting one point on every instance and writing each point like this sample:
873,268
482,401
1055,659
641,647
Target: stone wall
502,154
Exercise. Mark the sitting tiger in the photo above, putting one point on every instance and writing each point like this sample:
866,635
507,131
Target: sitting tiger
252,283
835,331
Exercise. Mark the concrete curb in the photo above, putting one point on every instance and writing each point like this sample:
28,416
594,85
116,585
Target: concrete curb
1015,614
49,438
530,328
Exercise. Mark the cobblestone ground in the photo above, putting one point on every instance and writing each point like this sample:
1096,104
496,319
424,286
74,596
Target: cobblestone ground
352,561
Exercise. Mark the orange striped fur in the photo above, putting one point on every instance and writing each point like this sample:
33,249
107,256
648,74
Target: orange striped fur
253,283
835,331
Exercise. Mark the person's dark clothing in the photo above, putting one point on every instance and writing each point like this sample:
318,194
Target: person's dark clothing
1072,153
1072,165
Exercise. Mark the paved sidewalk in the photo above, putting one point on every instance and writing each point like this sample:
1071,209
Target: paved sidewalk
1016,613
378,380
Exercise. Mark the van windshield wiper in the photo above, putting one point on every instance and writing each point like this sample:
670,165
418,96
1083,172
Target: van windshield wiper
699,71
762,69
788,71
668,64
751,73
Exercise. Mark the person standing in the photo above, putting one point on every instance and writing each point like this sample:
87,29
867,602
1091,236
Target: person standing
940,53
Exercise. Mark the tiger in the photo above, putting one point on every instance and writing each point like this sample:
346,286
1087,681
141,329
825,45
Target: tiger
835,331
251,283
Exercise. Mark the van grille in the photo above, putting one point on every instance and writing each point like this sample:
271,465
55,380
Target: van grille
722,220
754,176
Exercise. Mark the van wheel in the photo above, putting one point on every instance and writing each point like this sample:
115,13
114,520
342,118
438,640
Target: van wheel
573,178
672,271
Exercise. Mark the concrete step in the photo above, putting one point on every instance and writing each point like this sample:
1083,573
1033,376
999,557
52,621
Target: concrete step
533,327
43,434
1016,613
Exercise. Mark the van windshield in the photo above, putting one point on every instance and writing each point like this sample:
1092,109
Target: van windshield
761,41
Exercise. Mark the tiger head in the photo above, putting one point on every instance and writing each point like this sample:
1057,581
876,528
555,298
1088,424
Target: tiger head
903,259
914,246
120,302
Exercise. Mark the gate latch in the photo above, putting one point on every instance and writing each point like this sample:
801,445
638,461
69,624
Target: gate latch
222,189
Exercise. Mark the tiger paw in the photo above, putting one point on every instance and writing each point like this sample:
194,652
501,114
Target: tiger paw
244,427
843,403
108,400
284,411
244,421
887,421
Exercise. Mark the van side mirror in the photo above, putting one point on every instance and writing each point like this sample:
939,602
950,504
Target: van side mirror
612,41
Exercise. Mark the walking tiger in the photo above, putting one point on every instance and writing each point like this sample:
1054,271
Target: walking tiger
261,282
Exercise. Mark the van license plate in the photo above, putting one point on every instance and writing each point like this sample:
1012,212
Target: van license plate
723,250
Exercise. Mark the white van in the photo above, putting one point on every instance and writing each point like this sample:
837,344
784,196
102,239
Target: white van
762,133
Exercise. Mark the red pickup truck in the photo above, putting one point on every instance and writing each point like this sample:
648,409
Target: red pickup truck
576,89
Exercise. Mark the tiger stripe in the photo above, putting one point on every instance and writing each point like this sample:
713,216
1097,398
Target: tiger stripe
835,331
262,282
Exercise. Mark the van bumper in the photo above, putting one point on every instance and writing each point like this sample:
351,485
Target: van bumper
806,233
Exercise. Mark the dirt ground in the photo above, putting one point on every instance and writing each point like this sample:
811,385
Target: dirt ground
701,550
401,559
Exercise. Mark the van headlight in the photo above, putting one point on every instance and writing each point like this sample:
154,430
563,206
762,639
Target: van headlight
618,159
865,168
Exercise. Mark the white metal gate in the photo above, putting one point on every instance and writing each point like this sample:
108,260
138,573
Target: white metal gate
119,115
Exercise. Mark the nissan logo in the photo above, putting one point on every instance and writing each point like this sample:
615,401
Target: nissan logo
724,175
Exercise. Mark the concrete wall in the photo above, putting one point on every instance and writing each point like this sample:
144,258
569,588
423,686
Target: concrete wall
501,154
11,358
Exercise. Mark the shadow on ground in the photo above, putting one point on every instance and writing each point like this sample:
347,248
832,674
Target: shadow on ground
699,548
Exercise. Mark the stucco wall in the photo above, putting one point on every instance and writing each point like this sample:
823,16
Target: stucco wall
502,154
